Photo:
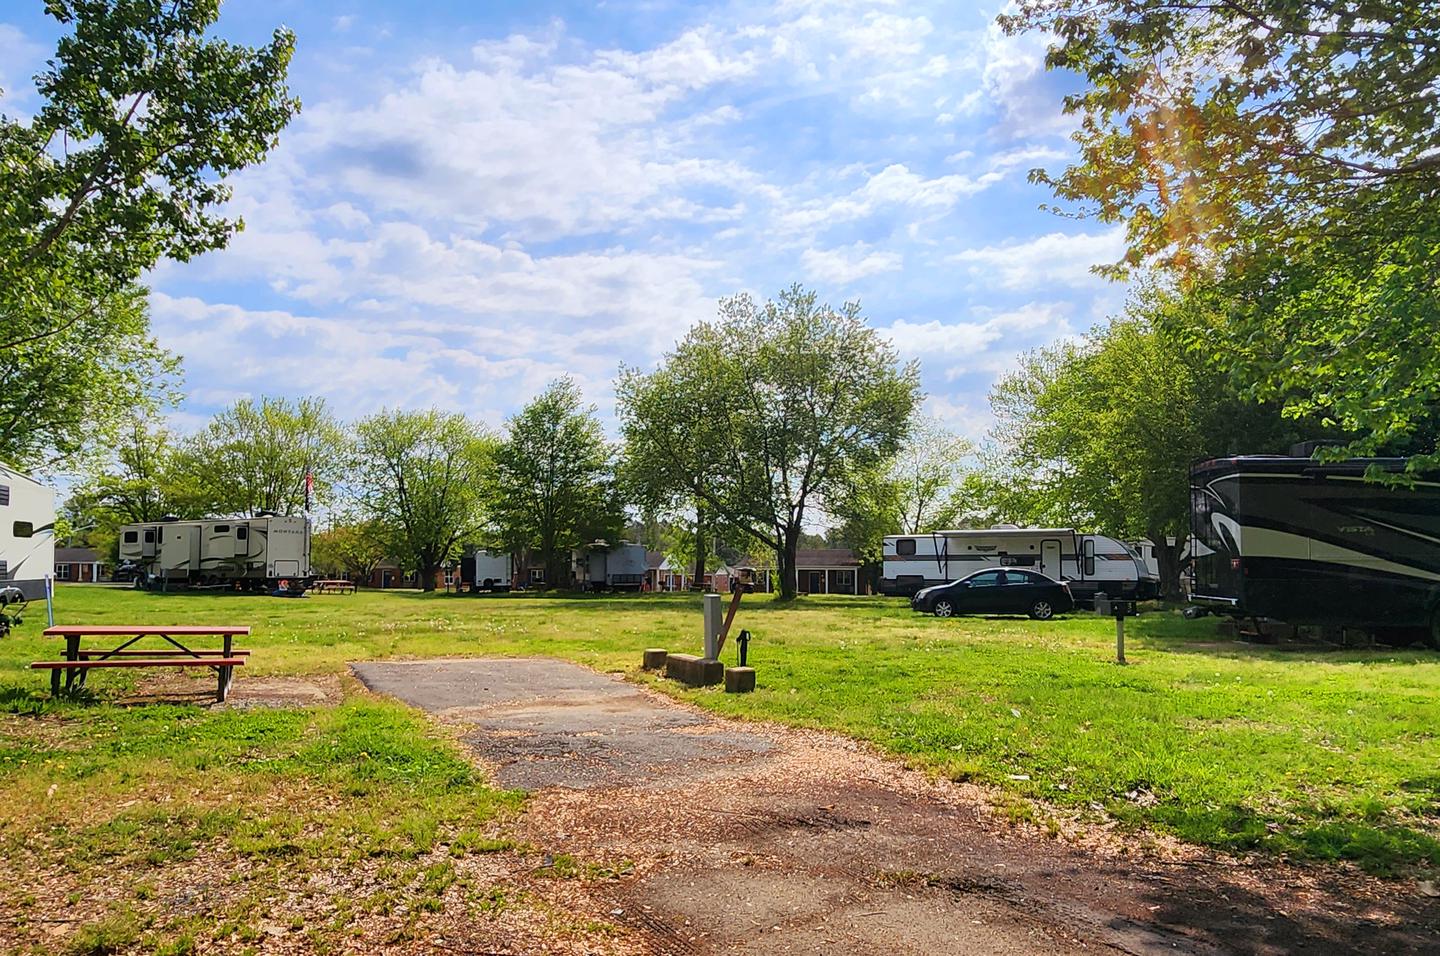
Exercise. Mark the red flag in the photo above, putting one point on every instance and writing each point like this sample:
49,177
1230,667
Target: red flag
309,487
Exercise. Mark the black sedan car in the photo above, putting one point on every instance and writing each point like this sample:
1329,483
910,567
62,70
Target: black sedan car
997,591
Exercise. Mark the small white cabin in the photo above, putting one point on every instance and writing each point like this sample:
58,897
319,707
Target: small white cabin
27,533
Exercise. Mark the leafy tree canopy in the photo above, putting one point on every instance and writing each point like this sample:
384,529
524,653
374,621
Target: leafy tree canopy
1101,434
1283,160
553,488
785,402
255,456
416,480
143,117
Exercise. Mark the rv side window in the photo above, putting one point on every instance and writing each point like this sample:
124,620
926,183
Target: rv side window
222,529
905,546
131,537
241,533
1088,549
150,536
23,529
4,495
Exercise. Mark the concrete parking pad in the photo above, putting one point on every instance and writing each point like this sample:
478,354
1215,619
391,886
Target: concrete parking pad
741,838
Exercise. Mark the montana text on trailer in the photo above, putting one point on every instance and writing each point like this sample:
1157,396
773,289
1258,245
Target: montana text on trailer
1308,543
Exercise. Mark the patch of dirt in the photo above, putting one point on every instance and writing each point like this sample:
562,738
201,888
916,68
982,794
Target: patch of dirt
786,841
175,686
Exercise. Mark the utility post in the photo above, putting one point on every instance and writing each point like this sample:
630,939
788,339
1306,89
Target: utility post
713,624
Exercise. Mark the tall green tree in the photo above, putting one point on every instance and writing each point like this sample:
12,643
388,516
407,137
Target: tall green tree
1282,160
553,486
351,548
1204,125
143,116
787,400
68,397
258,456
1101,434
417,482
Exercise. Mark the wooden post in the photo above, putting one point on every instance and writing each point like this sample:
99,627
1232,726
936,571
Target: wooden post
1120,639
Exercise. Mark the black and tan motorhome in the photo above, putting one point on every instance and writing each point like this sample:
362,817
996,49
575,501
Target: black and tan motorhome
1308,543
248,553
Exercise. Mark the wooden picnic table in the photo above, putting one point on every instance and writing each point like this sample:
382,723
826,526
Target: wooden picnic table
327,585
79,661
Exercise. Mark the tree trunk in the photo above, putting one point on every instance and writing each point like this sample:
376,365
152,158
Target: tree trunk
700,549
428,569
1167,561
786,558
554,572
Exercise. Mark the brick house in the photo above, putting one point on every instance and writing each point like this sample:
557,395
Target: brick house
78,564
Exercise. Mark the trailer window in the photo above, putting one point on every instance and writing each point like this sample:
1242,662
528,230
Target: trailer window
905,546
222,529
4,495
131,537
23,529
150,536
1088,551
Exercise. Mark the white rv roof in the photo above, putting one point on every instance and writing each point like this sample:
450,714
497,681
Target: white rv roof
15,473
1004,531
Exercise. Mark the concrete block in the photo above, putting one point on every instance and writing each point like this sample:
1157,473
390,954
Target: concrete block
682,667
711,672
739,680
654,658
692,670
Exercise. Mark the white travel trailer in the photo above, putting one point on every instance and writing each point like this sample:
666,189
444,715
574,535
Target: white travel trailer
487,571
1091,563
604,567
247,553
27,534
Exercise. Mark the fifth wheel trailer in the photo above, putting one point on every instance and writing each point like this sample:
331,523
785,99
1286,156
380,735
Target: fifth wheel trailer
1309,543
246,553
27,533
605,567
1090,563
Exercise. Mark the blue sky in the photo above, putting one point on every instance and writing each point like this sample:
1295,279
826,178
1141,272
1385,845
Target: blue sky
478,198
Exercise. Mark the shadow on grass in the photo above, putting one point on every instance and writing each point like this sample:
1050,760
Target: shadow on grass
1376,846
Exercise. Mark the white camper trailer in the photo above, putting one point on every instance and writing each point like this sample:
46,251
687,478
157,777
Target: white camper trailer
246,553
1090,563
600,566
27,534
487,571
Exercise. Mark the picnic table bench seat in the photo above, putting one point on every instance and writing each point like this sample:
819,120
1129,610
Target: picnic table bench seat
140,662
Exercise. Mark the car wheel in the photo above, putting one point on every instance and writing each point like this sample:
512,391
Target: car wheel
1042,610
944,608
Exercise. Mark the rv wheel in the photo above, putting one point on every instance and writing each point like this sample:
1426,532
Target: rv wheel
944,608
1042,610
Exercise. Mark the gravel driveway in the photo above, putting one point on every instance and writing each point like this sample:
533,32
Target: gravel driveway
750,838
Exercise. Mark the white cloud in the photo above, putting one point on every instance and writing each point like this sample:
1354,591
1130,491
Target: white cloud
894,186
847,264
19,58
987,344
1054,259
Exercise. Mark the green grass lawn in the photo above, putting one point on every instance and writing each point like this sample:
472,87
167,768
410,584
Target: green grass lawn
1322,754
